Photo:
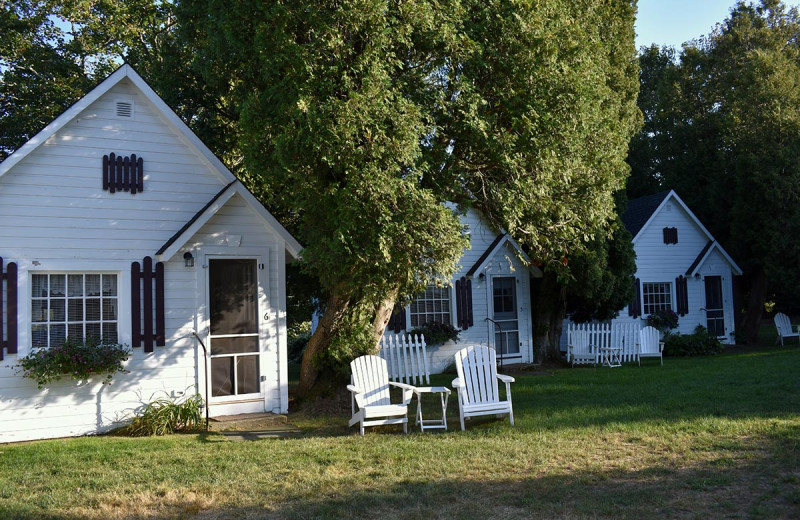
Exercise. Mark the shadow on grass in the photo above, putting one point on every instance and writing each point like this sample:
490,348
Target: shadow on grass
760,480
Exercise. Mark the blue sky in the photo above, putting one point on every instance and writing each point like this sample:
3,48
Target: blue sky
672,22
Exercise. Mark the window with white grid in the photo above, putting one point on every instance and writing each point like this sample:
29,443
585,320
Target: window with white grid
431,305
82,307
656,296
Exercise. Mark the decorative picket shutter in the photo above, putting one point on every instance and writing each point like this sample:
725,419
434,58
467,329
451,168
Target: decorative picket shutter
397,322
123,173
464,303
635,307
143,281
682,295
8,315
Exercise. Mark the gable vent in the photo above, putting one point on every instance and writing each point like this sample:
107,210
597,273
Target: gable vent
124,109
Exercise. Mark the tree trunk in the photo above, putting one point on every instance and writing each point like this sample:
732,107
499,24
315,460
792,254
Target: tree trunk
756,296
382,315
548,310
327,327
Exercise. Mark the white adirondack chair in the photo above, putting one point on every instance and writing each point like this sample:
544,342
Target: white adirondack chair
580,350
370,400
650,345
476,384
784,326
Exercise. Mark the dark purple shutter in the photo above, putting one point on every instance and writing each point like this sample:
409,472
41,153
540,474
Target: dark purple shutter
105,172
459,305
464,303
140,174
136,304
9,317
142,298
397,322
134,174
160,334
112,172
682,295
635,307
468,298
670,235
123,173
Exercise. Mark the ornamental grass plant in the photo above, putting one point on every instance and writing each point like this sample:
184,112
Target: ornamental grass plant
79,360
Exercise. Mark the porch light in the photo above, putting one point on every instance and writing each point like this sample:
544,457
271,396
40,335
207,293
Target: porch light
188,259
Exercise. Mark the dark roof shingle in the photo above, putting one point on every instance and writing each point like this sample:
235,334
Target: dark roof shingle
640,210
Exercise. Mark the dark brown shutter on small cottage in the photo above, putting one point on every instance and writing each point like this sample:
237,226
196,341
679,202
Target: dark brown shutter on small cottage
397,322
123,173
143,305
8,315
464,303
682,295
635,307
670,235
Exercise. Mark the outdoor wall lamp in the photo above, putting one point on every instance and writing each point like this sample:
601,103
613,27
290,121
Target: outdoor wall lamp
188,259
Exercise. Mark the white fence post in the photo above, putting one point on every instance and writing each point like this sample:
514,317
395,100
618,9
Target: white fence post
407,358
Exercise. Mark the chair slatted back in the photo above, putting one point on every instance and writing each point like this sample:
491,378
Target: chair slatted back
783,324
477,369
579,339
648,340
369,374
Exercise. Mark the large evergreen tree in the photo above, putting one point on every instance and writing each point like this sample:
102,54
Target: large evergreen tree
52,53
723,129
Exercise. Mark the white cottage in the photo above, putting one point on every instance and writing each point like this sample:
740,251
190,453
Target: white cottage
117,223
489,299
679,266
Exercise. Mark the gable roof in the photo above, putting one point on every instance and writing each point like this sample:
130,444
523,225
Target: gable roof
640,212
194,224
215,164
705,253
499,242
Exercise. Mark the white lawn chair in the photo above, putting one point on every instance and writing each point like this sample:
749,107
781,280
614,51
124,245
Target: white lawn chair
370,401
784,326
650,345
476,384
579,349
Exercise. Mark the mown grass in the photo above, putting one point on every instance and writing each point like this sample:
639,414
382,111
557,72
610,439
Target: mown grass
714,437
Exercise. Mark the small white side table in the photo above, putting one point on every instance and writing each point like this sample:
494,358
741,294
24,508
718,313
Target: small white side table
611,356
444,396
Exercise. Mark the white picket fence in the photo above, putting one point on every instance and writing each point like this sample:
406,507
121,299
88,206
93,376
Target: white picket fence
406,358
619,335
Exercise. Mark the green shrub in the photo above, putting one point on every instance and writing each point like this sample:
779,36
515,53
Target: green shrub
699,343
75,359
166,415
663,320
436,333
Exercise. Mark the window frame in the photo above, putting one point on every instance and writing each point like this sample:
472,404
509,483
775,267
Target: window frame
450,310
670,293
119,296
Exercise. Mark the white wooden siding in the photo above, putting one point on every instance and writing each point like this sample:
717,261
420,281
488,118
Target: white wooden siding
660,262
503,263
56,217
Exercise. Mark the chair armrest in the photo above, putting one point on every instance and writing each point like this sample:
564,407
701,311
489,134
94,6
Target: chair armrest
661,346
505,379
456,383
354,389
404,386
408,391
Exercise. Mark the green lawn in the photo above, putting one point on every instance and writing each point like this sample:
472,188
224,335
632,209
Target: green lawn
715,437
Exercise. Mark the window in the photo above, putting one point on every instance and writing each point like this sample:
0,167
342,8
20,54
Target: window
431,305
656,296
77,306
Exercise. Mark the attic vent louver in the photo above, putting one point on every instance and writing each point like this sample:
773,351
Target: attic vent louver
124,109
